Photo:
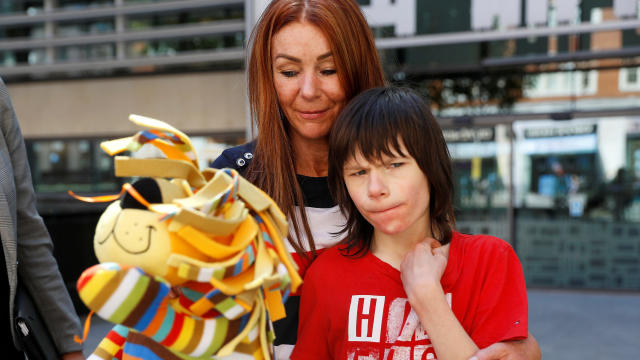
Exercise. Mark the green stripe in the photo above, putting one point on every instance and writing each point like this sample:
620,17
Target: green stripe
218,273
220,333
225,305
131,301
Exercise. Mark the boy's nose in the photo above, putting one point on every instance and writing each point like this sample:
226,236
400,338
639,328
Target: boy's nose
377,186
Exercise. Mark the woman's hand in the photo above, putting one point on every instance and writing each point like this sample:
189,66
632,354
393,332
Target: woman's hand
422,269
527,349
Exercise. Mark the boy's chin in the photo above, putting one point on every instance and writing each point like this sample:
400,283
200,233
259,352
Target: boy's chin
390,229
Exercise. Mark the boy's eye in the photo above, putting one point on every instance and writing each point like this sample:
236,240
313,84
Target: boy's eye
396,164
358,173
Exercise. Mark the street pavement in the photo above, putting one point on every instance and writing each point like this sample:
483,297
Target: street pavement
568,324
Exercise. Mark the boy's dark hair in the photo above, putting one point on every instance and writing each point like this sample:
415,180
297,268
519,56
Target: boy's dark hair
372,123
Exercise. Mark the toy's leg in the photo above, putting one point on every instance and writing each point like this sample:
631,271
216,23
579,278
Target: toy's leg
111,346
127,296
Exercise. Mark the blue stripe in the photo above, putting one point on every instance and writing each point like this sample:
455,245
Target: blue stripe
237,269
286,294
140,351
121,330
148,316
191,294
166,326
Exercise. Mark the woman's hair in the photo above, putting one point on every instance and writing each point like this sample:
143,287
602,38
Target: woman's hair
358,68
375,124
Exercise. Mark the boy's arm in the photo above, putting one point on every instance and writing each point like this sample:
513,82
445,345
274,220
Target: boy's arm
526,349
421,272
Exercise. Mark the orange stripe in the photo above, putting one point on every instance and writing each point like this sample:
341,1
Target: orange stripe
94,199
136,195
157,320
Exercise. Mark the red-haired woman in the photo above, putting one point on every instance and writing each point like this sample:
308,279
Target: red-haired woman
307,59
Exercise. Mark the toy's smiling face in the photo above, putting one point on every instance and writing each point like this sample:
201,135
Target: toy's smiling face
129,234
133,237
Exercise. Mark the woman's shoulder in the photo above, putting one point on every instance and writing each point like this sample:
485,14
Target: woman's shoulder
236,157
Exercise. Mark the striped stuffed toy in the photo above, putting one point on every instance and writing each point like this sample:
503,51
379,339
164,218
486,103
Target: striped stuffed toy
192,263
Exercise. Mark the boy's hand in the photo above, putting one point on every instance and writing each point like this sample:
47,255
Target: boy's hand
422,269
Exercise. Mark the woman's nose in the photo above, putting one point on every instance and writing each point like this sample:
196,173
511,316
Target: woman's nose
309,86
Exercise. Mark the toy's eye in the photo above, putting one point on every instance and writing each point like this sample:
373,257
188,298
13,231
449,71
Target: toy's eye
150,191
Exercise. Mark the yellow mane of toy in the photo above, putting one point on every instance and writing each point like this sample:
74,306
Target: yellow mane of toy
197,268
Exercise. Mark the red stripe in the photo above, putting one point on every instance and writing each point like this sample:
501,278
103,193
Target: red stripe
175,331
86,276
115,338
201,287
185,301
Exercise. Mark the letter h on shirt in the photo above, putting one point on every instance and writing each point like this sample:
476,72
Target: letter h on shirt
365,318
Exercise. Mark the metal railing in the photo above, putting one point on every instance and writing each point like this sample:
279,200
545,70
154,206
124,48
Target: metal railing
118,13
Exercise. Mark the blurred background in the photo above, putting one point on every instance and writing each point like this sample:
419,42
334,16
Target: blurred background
539,101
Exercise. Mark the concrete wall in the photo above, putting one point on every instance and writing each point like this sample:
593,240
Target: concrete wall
195,102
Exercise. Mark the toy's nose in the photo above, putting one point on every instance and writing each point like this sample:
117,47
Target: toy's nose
150,191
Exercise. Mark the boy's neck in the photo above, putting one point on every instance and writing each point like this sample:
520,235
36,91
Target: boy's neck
393,248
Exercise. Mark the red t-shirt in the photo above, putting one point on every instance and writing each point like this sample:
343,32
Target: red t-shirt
353,307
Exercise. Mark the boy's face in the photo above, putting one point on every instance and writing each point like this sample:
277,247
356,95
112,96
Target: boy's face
393,195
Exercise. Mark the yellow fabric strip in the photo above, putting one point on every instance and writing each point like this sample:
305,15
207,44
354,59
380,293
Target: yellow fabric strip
208,245
162,126
234,285
284,255
208,224
113,147
185,334
169,150
275,307
163,168
95,285
228,348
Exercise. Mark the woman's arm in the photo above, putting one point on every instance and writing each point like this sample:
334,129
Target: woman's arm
526,349
421,271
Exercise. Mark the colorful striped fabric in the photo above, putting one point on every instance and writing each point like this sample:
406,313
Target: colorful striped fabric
227,253
127,296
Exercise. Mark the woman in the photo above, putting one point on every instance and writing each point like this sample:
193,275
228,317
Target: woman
308,59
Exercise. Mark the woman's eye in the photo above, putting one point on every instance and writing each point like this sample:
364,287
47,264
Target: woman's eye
328,72
289,73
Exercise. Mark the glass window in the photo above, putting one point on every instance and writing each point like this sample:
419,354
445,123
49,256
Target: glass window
80,165
481,171
577,201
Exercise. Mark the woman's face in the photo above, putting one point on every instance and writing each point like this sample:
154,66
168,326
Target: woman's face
306,81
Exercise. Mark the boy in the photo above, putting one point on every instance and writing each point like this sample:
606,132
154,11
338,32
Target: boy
403,284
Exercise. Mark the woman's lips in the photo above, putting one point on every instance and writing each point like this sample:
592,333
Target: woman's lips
311,115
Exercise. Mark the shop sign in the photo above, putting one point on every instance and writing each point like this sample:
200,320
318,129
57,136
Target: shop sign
557,131
467,134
